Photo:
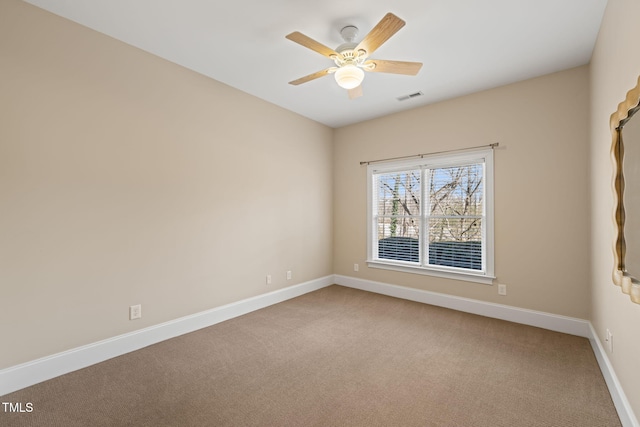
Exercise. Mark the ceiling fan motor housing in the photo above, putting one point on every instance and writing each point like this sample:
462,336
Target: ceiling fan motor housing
345,47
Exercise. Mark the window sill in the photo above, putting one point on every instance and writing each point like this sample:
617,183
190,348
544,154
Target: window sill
448,274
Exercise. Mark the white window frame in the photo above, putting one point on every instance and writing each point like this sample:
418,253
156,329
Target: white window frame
484,156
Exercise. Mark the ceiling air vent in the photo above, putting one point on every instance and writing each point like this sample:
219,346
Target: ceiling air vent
413,95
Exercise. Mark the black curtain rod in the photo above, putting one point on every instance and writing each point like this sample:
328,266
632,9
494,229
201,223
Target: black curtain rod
368,162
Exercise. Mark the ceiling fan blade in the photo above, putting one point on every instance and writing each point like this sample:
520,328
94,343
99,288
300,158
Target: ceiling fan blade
356,92
310,43
313,76
395,67
388,26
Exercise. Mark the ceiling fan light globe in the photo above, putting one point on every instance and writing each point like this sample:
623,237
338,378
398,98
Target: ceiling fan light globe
349,76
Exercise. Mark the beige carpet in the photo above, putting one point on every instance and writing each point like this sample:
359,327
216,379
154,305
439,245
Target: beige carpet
337,357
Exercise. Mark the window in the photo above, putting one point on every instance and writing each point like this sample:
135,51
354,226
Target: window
433,215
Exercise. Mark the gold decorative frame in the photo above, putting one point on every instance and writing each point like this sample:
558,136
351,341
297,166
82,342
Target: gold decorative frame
630,285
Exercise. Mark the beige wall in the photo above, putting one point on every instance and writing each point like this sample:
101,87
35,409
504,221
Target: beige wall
615,68
541,200
125,179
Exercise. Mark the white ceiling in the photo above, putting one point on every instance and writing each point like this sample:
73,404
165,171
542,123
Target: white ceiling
465,45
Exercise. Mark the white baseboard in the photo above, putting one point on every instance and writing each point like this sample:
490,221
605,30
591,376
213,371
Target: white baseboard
627,417
554,322
36,371
568,325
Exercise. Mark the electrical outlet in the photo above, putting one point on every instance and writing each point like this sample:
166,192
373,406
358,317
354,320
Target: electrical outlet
609,340
268,279
356,267
502,289
288,274
135,312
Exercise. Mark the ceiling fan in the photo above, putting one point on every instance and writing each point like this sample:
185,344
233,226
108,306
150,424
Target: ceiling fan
352,58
